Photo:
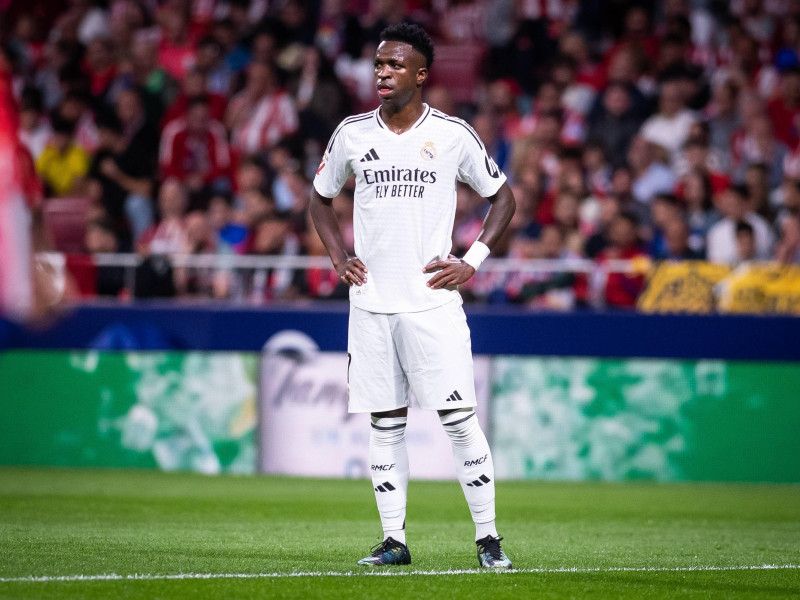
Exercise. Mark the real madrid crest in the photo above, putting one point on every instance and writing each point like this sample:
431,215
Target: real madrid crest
428,151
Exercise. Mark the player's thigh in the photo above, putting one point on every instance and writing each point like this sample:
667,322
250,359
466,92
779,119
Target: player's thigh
435,350
375,379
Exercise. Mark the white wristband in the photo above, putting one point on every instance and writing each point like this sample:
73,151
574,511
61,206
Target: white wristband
476,254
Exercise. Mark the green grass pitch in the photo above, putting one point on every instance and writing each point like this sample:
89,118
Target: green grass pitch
73,523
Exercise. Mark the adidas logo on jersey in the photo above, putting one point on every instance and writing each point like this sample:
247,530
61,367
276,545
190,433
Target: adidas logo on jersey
370,156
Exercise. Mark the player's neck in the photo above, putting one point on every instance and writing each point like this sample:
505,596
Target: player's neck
401,119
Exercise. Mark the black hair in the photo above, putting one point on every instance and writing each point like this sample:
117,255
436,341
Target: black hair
667,199
109,121
31,99
196,100
61,125
740,190
413,35
744,227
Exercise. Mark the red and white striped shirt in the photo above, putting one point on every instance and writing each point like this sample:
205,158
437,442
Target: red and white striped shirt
271,119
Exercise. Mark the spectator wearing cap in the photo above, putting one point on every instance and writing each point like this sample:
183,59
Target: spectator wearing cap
721,242
194,149
62,163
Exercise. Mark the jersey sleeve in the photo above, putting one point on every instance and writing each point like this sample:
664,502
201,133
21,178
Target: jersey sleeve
476,168
334,169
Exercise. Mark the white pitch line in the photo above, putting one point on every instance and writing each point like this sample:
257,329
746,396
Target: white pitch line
369,573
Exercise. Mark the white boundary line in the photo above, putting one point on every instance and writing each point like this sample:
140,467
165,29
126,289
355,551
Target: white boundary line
370,573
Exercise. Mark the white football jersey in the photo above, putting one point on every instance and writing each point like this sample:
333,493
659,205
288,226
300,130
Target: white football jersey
405,200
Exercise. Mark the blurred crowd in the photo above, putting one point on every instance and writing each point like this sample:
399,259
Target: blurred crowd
666,130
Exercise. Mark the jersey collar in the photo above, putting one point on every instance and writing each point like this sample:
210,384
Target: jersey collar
384,127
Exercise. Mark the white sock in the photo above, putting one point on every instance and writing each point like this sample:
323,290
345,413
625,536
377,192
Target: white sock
388,459
474,467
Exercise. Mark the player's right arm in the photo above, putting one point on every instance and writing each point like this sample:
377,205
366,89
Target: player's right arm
332,173
350,269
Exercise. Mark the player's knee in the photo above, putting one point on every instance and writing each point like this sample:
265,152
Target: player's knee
399,412
461,425
386,431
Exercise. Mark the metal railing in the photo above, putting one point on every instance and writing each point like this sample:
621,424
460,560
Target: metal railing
248,272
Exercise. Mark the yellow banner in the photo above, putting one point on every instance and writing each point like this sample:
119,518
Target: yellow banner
682,287
761,288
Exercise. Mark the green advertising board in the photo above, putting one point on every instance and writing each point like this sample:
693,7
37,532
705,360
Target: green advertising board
665,420
169,410
550,418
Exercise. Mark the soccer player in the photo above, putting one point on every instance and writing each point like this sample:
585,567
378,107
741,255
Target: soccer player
407,327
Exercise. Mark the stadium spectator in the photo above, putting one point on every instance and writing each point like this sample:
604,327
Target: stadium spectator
615,123
177,46
721,242
759,145
664,210
621,290
195,85
676,242
697,194
651,175
555,290
320,98
138,128
610,209
101,238
120,180
34,128
723,119
669,127
194,149
262,113
784,110
62,163
168,236
787,250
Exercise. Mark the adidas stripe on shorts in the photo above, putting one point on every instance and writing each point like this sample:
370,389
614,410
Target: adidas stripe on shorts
428,353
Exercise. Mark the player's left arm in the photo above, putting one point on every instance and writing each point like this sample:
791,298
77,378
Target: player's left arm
454,271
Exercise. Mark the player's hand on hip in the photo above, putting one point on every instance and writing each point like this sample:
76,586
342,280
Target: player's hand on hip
449,272
352,272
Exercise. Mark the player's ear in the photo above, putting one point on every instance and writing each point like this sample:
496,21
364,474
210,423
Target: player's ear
422,75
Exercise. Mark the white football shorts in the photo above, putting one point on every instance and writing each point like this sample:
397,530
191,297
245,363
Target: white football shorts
427,352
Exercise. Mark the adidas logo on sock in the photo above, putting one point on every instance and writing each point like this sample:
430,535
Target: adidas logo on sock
477,482
370,156
454,397
385,487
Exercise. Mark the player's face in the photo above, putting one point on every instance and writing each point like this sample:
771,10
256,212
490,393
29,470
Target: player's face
399,73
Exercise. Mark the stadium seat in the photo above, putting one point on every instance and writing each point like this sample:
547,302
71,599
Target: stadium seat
65,221
457,67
